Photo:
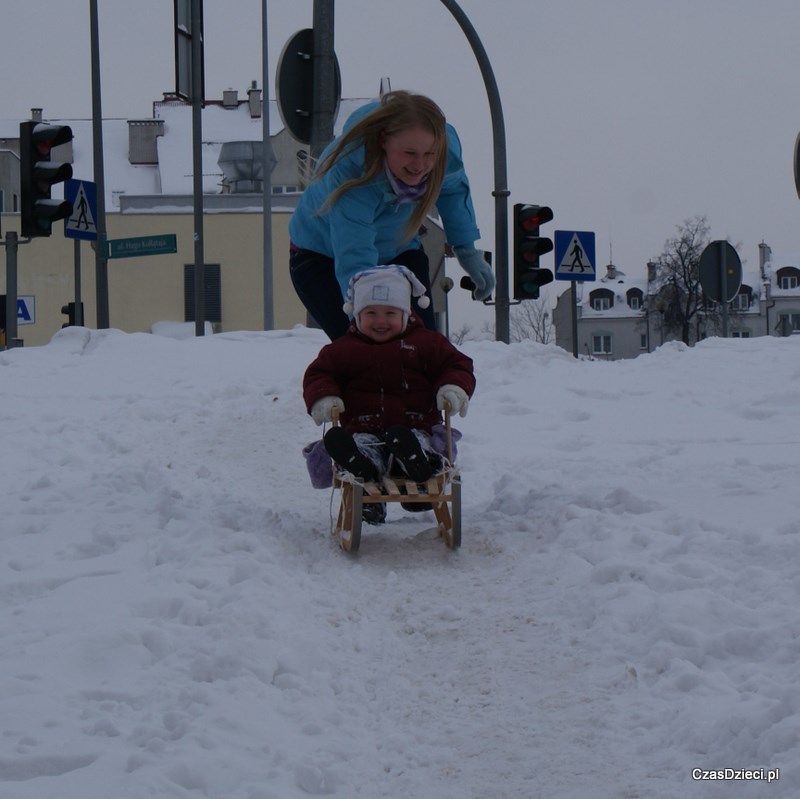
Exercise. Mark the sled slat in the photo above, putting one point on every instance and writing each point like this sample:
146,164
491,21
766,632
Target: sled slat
391,487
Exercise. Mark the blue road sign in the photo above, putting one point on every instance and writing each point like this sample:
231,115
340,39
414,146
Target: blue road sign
82,223
574,253
26,310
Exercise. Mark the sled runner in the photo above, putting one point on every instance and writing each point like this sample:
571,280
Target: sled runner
442,491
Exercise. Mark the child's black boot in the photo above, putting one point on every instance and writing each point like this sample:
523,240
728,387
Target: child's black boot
342,448
407,450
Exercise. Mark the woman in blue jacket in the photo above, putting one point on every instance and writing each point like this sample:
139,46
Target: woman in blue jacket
375,184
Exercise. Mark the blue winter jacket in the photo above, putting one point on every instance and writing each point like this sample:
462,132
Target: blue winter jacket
366,226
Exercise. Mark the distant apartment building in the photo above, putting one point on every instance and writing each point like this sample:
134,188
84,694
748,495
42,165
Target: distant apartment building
618,317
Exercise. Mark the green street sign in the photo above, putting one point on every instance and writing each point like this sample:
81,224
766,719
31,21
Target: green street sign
143,245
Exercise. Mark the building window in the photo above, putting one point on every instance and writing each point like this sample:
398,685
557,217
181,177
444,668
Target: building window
789,323
741,302
601,344
643,341
740,334
635,299
213,293
788,277
601,299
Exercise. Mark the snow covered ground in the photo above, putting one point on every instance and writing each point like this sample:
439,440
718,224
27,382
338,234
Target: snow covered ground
177,621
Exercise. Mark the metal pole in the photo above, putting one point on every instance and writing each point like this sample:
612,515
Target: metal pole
197,170
101,252
266,158
323,97
12,240
323,101
501,192
574,318
723,286
78,299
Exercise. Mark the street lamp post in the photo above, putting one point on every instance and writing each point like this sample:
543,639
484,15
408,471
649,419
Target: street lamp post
501,192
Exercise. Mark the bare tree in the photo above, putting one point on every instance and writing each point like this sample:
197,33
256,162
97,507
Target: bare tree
458,337
677,292
531,319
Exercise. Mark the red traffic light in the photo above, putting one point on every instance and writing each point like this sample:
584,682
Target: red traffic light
38,174
529,246
44,137
530,217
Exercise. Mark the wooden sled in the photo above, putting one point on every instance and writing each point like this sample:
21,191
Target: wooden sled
442,491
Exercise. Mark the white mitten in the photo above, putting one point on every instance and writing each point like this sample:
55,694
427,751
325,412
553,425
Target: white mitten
455,397
322,409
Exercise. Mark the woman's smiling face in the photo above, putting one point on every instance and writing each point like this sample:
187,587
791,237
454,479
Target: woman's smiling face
410,154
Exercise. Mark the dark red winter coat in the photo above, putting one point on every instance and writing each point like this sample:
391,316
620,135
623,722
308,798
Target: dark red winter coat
394,382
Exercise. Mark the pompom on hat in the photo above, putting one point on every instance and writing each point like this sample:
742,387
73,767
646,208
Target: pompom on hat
391,285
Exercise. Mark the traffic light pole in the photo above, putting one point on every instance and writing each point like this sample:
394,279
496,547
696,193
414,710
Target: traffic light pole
501,192
266,153
197,169
101,251
11,243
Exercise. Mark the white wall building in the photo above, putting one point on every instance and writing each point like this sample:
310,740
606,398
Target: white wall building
618,317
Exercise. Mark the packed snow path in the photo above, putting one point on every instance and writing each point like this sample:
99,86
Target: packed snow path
178,622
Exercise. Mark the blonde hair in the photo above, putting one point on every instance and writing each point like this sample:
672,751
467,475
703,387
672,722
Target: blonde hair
398,111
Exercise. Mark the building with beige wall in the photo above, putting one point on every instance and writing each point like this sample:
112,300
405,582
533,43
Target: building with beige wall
148,192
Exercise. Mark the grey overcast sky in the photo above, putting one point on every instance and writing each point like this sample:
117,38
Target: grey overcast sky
626,116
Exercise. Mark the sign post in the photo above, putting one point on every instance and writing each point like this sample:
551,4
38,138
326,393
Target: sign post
298,96
80,224
575,261
720,273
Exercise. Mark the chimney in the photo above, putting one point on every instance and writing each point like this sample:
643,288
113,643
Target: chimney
36,114
254,100
230,98
764,255
142,135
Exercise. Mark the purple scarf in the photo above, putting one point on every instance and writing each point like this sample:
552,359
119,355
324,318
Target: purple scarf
404,192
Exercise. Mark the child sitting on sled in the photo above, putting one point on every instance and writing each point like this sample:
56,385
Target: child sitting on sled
389,378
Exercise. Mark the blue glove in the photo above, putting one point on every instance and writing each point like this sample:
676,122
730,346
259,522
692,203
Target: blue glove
473,263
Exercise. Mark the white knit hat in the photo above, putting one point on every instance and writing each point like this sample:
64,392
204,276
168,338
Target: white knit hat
390,285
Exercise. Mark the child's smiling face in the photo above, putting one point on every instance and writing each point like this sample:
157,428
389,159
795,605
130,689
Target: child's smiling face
380,322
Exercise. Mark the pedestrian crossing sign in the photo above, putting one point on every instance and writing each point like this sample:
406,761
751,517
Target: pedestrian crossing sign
82,222
574,253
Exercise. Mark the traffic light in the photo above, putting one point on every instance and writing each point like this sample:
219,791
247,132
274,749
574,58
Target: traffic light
69,310
38,174
528,246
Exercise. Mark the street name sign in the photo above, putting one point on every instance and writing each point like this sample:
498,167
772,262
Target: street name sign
143,245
